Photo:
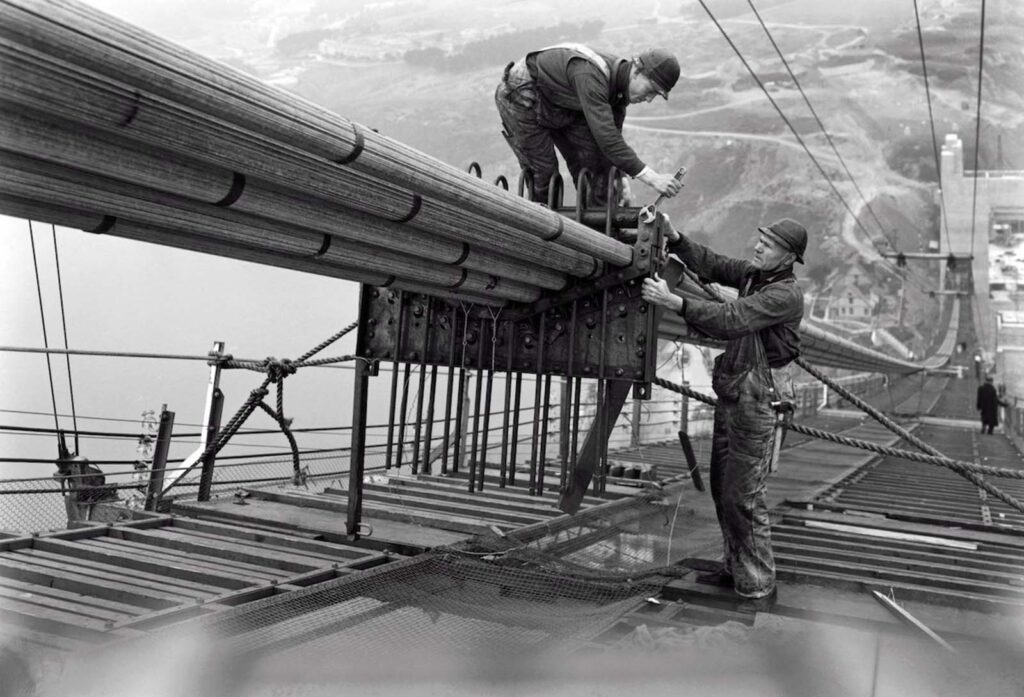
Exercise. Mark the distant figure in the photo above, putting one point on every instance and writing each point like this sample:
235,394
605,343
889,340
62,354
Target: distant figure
988,404
977,366
574,98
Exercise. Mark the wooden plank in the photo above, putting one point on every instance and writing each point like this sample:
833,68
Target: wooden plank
101,572
874,575
905,590
900,547
407,538
52,620
428,503
89,601
538,509
378,509
118,591
165,538
982,537
169,568
925,568
313,558
63,604
250,572
277,538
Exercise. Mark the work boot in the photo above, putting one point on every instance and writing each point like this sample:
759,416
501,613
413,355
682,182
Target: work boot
720,578
763,604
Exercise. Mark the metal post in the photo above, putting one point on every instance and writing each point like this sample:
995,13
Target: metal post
503,473
544,434
357,454
394,381
448,393
212,429
163,446
417,431
429,437
513,451
401,415
564,419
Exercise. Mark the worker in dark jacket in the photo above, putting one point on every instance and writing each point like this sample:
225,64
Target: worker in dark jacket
988,404
753,382
574,98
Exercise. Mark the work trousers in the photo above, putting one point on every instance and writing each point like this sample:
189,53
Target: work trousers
740,454
533,129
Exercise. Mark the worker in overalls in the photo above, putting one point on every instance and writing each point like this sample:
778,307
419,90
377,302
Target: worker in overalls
574,98
754,387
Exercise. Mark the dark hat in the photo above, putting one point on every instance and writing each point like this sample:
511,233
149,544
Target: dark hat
662,67
790,234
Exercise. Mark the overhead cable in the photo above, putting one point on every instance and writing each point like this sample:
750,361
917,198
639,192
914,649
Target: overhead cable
783,116
64,326
977,125
931,120
42,318
821,125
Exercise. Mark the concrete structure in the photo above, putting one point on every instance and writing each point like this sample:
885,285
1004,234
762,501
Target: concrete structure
1000,200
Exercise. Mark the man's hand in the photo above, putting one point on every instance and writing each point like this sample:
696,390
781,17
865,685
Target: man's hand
655,291
665,184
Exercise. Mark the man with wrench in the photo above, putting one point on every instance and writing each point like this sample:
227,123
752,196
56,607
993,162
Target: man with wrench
754,388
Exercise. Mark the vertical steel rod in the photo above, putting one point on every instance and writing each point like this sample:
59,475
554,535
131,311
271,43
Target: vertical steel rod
460,427
406,372
429,437
537,392
578,386
514,449
602,477
212,429
473,454
160,450
445,442
357,455
487,410
503,472
544,434
417,431
394,381
567,439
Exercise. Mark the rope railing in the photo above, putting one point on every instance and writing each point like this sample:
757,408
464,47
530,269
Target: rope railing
969,470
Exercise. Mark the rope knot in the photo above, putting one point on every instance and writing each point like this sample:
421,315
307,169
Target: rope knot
279,369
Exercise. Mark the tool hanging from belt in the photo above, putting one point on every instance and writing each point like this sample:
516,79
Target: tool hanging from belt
648,212
784,410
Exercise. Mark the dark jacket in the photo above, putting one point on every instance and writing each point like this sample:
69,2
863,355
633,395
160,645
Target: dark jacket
988,404
570,85
771,305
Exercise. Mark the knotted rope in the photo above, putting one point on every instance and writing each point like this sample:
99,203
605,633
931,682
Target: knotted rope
276,371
